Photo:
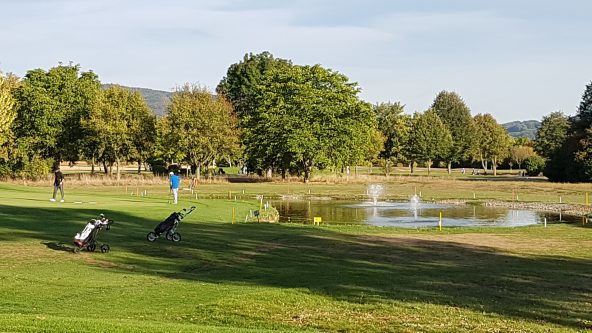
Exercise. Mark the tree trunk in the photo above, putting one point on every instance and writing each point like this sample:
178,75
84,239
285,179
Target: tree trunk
494,166
307,170
283,174
139,167
269,173
429,166
105,167
484,165
118,171
411,167
92,165
449,167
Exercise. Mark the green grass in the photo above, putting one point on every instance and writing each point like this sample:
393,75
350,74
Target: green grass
249,277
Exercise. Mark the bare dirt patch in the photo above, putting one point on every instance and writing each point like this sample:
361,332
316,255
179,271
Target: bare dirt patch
509,243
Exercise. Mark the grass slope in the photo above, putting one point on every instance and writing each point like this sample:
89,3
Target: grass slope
225,277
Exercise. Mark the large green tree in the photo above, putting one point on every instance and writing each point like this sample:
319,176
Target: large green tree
395,126
571,160
8,84
203,127
493,141
552,134
456,115
241,83
308,116
582,160
429,138
583,119
110,124
50,106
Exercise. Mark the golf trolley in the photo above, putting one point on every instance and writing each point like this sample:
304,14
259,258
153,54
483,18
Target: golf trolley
169,226
87,239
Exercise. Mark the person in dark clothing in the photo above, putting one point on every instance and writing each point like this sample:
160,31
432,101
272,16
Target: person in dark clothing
58,183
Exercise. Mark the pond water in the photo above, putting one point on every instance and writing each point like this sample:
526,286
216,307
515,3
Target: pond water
409,214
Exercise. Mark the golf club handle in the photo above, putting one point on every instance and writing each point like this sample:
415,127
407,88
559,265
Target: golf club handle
189,211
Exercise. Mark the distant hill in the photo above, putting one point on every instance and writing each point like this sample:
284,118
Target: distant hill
519,129
157,100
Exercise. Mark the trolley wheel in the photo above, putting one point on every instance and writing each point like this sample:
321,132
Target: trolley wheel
105,248
76,250
91,247
151,237
169,235
176,237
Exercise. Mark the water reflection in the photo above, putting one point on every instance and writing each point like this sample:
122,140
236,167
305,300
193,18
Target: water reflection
404,214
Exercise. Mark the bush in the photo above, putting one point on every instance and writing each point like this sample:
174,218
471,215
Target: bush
534,165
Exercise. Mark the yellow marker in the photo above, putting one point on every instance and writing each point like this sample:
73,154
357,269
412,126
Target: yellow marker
229,194
440,222
232,215
317,220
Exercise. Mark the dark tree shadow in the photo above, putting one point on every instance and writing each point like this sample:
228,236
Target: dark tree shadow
366,269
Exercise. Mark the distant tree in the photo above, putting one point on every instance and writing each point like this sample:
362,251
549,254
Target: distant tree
202,127
429,138
456,115
522,141
142,128
552,134
108,123
534,165
493,141
394,125
519,154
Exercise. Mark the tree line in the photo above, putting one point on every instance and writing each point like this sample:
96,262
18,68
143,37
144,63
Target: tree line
268,116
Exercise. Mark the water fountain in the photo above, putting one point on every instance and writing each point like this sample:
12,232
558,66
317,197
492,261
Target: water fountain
414,200
414,203
375,191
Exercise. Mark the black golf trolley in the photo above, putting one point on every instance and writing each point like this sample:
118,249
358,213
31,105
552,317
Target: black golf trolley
169,226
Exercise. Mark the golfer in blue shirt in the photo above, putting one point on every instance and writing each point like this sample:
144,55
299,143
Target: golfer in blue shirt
174,181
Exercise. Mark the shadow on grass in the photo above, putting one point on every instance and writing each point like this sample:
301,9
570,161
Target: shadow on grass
360,269
59,246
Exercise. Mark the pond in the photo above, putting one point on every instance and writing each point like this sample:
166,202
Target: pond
409,214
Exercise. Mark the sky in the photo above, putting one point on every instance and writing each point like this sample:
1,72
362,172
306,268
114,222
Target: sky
514,59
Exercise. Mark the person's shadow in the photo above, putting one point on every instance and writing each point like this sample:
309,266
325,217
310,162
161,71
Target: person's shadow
58,246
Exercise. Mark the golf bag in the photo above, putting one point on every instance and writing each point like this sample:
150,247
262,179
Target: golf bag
168,227
87,238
